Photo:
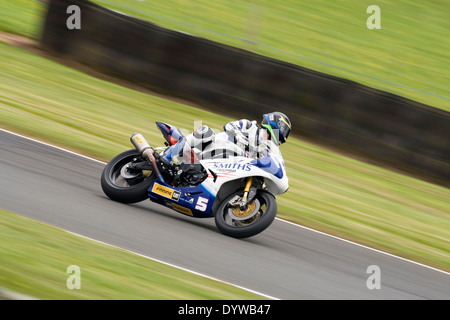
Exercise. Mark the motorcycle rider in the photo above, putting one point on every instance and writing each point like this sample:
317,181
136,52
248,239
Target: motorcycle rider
275,126
246,134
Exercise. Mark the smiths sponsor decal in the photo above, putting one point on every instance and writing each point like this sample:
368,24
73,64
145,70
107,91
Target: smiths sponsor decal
166,192
231,167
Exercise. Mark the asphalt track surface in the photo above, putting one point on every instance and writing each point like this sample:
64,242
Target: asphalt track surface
286,261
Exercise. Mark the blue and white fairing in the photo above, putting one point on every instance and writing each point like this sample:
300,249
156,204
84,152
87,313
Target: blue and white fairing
270,167
225,163
196,201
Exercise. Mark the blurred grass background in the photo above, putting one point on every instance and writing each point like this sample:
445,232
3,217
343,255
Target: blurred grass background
329,192
408,56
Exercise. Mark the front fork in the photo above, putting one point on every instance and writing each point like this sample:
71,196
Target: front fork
247,189
249,194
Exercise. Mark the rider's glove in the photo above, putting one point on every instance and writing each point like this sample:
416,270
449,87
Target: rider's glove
241,140
261,151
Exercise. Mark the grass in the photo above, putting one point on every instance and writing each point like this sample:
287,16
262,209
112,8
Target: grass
22,17
409,55
411,49
36,257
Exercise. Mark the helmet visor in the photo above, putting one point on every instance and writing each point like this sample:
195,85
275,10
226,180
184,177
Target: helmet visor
284,129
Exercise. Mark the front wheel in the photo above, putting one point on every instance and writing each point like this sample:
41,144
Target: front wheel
121,180
237,223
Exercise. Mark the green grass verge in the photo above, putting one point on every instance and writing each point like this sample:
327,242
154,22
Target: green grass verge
35,258
328,192
410,49
22,17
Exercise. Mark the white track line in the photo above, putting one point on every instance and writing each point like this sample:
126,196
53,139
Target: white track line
178,267
282,220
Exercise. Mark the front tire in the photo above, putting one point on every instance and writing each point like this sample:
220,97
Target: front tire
122,185
261,213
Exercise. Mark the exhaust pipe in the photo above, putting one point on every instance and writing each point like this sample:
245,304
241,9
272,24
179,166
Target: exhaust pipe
147,152
141,145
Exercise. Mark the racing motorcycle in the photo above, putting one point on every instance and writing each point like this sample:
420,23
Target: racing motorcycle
201,175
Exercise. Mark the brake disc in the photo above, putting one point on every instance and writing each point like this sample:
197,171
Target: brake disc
126,174
252,209
243,223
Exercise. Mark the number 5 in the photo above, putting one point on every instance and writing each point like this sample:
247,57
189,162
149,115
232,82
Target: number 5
202,204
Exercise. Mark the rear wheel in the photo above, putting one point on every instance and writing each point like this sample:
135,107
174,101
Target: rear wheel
121,181
237,223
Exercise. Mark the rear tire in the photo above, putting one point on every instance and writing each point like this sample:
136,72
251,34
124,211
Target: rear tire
265,207
130,189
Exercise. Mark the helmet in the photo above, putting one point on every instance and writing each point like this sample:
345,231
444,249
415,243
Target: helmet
278,126
201,137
